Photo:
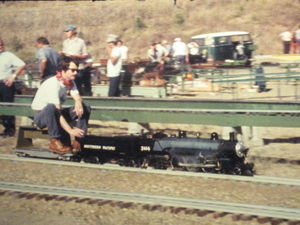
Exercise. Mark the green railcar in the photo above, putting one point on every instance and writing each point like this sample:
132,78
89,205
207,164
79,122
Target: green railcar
225,48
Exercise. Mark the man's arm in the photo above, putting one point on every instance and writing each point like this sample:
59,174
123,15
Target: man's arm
74,131
42,67
78,108
11,79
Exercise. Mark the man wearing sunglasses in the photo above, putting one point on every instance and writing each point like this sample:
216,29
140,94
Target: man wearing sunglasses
62,123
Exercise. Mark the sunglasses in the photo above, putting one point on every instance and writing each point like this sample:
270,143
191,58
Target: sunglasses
74,70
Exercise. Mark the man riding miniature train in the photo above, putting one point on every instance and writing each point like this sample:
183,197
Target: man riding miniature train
61,122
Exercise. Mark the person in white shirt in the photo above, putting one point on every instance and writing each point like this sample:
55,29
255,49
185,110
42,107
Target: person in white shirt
61,122
298,38
286,38
124,50
75,48
10,67
114,65
180,53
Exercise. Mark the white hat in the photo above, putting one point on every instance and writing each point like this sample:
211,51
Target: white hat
112,38
177,39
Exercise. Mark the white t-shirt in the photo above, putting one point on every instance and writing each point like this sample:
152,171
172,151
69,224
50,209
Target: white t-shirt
179,48
8,63
124,52
298,34
75,46
52,91
286,36
113,70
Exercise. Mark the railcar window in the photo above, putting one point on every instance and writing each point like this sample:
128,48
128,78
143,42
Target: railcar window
209,41
200,41
222,40
241,38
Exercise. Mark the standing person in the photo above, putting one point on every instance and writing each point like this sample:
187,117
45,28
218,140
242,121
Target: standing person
75,48
114,65
61,122
10,67
180,53
286,38
124,50
167,47
298,38
48,58
152,53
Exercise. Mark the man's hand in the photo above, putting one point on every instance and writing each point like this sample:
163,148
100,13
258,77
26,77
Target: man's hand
10,80
77,132
78,108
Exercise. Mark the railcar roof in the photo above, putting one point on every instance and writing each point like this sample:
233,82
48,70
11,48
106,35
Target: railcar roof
220,34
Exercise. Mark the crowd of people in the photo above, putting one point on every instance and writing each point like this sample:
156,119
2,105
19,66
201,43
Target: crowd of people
291,41
68,72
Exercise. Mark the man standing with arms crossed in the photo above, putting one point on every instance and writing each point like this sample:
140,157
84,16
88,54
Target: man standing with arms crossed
75,48
114,65
10,67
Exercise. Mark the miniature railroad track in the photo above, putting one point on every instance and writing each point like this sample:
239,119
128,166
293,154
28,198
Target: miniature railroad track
255,179
200,207
275,160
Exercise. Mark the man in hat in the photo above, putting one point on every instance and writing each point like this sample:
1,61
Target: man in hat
114,65
10,67
75,48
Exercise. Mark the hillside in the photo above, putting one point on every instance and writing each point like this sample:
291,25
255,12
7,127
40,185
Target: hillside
141,22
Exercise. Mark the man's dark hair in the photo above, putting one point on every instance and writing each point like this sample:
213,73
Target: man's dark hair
42,40
64,63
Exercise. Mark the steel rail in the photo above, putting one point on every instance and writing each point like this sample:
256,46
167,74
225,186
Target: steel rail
219,117
246,179
201,204
179,103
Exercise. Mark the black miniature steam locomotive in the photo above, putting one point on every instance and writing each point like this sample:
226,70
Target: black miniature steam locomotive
161,152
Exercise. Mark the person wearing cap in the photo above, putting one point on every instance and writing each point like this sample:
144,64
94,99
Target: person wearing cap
114,65
48,58
75,48
180,53
10,67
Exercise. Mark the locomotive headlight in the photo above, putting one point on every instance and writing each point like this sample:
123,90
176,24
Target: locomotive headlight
240,150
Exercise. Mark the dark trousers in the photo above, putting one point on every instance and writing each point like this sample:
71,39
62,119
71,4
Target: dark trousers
7,94
114,83
286,47
83,82
49,117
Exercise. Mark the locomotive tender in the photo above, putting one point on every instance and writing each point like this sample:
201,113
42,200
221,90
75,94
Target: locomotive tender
158,151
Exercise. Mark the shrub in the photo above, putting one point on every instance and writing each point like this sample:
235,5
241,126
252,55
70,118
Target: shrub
16,44
139,23
179,19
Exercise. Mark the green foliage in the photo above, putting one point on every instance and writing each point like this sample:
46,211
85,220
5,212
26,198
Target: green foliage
16,44
139,23
179,19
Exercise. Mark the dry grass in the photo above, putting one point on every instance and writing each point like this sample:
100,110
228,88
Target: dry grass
265,19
